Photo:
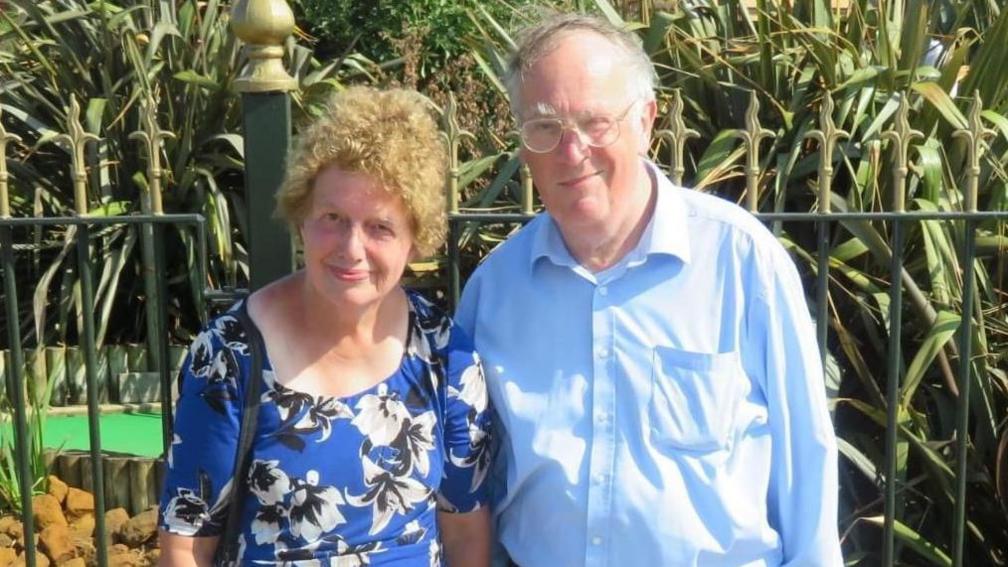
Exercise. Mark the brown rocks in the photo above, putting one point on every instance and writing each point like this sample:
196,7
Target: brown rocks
122,556
140,528
48,511
40,560
56,543
78,503
57,488
115,521
83,526
65,533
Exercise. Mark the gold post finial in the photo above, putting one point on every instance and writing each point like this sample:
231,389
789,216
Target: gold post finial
975,133
263,25
751,137
150,138
76,141
676,134
827,136
900,135
452,134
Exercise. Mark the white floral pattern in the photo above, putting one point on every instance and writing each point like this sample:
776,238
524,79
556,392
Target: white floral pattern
333,481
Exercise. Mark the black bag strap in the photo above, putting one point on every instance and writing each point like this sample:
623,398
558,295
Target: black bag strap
227,546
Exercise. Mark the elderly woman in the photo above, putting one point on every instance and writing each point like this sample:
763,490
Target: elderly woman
370,441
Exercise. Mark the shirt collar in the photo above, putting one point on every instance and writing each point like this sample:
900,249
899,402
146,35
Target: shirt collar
668,236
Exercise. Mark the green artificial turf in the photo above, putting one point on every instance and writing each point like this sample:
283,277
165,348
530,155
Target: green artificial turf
132,433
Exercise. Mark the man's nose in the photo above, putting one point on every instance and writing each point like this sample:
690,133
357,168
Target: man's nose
572,144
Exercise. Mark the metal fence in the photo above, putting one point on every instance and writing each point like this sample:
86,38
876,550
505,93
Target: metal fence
150,224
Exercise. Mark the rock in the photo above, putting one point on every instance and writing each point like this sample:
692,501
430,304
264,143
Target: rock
15,529
47,511
153,556
75,562
7,556
115,521
7,521
84,548
128,559
118,548
78,503
140,528
5,541
57,488
55,542
40,560
83,526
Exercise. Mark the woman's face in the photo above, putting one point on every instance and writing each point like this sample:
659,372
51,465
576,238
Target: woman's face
357,238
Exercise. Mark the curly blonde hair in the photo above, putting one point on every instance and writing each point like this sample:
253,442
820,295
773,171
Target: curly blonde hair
389,135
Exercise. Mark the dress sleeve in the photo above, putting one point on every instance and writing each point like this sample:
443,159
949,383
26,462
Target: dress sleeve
467,428
200,462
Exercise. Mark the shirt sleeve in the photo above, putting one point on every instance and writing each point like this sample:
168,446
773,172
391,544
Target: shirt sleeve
200,462
467,428
803,492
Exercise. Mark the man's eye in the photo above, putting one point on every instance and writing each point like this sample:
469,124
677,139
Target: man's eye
544,127
596,124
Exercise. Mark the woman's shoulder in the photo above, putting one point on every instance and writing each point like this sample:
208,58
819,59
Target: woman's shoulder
435,323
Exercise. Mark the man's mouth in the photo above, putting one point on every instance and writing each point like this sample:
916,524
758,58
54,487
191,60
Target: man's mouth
579,180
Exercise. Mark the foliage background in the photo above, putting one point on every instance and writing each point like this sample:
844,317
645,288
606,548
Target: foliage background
866,54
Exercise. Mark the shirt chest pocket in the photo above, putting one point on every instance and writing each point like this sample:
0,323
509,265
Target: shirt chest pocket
694,399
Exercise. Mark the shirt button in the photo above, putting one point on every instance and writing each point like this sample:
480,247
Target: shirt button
597,540
603,417
599,478
603,352
603,290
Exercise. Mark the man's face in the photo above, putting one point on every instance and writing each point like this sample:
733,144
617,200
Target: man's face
586,188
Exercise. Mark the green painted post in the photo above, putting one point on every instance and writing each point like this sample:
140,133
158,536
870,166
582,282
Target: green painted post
974,134
827,136
16,389
264,25
899,136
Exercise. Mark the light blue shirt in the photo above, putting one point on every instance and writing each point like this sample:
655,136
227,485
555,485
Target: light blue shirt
668,411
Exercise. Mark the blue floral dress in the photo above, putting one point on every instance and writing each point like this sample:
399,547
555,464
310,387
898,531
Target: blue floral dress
341,481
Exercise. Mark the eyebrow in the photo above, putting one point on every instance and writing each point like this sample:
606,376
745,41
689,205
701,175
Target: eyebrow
543,110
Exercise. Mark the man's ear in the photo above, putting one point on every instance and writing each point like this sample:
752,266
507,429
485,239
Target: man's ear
648,113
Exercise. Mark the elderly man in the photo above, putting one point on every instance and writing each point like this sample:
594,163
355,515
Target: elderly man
648,348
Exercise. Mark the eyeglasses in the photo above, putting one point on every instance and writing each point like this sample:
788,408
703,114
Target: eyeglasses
542,135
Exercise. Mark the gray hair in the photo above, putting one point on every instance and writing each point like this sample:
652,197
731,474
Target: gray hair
541,38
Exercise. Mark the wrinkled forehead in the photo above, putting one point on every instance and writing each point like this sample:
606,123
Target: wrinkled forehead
583,74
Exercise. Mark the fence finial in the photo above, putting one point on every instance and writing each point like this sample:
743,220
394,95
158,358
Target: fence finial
4,196
676,134
827,136
150,138
975,134
452,133
900,134
752,135
263,25
77,140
